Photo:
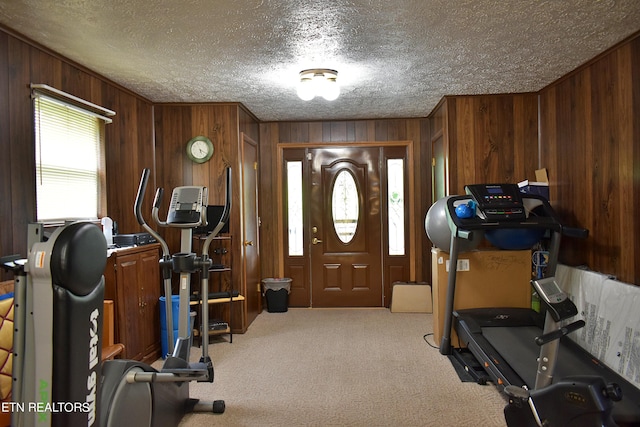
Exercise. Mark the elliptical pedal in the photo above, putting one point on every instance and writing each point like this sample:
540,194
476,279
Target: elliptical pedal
193,370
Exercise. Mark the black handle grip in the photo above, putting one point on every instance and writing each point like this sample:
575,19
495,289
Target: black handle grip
227,201
557,334
142,188
158,198
580,233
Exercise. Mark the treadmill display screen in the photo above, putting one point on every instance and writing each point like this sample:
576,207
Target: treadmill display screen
498,201
550,291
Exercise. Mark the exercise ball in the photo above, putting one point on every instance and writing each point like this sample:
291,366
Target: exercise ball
514,239
438,231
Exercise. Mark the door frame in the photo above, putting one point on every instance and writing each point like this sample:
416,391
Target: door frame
409,207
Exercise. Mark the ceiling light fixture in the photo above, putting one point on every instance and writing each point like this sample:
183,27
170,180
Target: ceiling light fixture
318,82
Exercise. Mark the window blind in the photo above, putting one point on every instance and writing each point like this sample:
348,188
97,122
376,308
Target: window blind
68,146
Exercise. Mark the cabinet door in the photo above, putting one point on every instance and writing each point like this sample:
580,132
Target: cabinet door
130,306
149,291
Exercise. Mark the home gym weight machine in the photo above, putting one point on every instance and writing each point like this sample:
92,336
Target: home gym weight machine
59,293
508,341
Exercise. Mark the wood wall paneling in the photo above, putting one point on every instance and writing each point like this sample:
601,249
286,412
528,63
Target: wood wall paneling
6,173
634,116
130,134
22,158
175,125
489,138
590,134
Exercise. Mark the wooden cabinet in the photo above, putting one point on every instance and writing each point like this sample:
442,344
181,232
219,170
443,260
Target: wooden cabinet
132,281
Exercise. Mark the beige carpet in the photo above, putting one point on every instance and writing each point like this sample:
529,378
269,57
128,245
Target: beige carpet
340,367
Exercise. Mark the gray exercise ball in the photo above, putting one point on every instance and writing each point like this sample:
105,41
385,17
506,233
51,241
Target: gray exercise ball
438,231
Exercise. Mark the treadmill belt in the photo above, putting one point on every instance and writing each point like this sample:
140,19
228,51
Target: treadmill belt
518,348
514,345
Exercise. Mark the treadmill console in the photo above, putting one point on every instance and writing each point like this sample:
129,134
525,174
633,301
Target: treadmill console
554,299
498,201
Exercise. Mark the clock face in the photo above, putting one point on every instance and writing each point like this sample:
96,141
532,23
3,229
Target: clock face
200,149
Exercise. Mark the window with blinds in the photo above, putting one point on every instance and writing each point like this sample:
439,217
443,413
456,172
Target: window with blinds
68,160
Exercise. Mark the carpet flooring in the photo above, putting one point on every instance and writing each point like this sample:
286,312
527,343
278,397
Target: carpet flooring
340,367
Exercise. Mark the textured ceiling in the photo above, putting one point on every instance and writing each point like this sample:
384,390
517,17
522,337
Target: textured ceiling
394,58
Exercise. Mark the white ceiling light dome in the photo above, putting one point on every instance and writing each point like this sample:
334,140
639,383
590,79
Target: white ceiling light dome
318,82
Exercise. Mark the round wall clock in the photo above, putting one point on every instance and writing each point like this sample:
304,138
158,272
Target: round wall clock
199,149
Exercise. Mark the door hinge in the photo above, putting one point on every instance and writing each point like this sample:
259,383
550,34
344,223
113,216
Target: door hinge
433,161
255,166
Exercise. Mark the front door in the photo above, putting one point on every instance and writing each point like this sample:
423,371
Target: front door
345,227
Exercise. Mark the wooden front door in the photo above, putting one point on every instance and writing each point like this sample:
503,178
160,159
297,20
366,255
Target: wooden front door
345,227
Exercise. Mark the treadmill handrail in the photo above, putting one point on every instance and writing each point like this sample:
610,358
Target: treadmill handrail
559,333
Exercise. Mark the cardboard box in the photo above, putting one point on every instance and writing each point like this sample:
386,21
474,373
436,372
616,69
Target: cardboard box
411,297
539,187
494,278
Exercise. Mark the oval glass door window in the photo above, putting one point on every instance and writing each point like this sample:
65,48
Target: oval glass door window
345,206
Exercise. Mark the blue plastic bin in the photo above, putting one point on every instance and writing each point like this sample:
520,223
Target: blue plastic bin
175,305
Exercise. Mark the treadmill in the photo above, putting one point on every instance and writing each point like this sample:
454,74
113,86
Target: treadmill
503,340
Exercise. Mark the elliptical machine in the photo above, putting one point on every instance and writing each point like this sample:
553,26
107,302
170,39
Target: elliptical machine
187,210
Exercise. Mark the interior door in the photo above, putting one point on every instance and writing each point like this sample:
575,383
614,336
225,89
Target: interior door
250,226
345,227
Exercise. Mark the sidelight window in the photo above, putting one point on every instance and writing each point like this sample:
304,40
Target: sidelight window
395,202
294,207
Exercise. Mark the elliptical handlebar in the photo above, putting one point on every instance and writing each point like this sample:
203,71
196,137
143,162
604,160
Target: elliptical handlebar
156,207
137,210
142,188
225,215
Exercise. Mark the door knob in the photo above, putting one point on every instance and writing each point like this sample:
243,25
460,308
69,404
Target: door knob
248,242
315,241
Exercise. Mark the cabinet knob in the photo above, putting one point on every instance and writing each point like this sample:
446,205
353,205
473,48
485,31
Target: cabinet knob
248,242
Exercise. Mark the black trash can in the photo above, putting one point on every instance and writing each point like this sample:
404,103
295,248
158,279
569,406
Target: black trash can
276,292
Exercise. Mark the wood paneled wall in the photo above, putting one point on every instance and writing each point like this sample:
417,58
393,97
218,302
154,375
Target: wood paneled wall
129,139
272,134
488,138
590,143
175,125
222,123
